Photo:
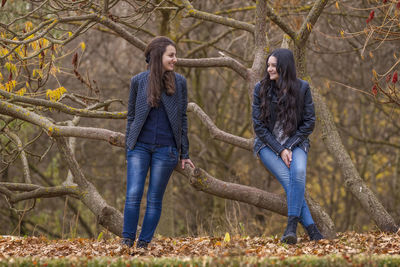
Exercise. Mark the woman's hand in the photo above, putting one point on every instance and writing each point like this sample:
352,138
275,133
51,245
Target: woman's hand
286,156
188,161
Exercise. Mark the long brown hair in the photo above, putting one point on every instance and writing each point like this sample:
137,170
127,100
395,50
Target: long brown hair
158,80
286,88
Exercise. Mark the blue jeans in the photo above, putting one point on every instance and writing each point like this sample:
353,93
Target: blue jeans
292,179
161,160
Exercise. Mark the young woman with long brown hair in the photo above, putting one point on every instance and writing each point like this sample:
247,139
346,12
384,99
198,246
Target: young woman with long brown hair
283,118
156,137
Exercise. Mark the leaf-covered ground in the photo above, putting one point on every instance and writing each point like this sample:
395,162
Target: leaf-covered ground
346,245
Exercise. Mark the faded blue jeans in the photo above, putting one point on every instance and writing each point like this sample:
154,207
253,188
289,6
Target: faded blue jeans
292,179
161,160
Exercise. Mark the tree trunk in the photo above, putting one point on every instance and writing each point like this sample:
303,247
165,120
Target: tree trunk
107,216
352,179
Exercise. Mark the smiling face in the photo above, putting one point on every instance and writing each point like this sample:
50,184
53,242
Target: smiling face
169,58
273,73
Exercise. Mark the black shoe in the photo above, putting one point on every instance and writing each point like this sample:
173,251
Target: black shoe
313,232
127,242
142,244
289,236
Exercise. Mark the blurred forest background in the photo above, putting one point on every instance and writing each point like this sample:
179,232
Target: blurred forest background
353,46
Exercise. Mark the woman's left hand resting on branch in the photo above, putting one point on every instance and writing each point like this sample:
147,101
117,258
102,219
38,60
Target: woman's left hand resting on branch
188,161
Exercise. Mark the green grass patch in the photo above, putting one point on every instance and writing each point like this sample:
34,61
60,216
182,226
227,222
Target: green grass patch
332,260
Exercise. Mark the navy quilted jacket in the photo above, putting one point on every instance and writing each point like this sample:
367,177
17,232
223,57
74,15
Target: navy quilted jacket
175,106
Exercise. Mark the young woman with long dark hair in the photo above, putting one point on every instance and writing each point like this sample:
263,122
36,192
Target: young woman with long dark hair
156,137
283,118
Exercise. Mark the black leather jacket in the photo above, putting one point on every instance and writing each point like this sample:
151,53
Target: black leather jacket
306,122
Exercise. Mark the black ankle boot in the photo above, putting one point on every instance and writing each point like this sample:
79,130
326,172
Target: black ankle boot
313,232
289,236
142,244
127,242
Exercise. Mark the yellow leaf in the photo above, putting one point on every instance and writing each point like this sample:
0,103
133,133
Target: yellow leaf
100,236
342,33
1,77
8,66
227,238
44,42
4,51
28,26
69,34
327,84
49,93
309,27
53,71
83,46
30,37
21,91
10,85
374,74
40,72
337,5
218,243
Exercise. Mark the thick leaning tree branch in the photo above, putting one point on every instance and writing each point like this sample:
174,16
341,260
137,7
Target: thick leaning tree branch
271,14
217,19
64,108
217,133
32,191
203,181
309,22
352,180
107,216
114,138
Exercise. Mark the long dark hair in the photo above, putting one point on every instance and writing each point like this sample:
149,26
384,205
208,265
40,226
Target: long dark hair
158,79
286,88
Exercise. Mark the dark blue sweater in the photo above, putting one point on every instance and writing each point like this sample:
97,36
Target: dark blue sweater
157,128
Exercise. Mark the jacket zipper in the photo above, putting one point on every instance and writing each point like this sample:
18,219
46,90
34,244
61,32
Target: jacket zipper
294,143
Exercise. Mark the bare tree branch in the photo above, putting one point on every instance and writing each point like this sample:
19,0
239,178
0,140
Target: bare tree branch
208,44
107,215
121,31
51,129
310,21
65,108
217,133
36,191
20,147
217,19
215,62
279,22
